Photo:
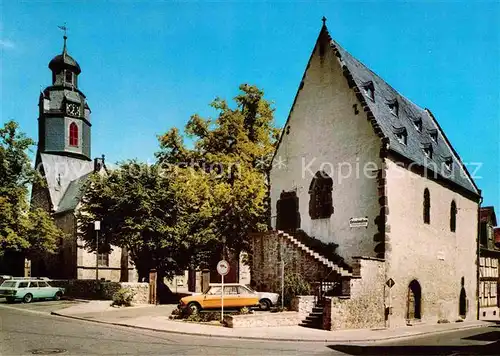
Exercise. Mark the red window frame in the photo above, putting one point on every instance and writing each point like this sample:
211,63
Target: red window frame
73,134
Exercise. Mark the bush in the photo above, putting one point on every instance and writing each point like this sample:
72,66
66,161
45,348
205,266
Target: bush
244,311
295,285
123,297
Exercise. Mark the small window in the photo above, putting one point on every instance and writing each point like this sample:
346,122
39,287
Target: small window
427,151
73,134
434,135
43,284
448,163
369,89
401,135
230,290
103,259
453,216
394,107
427,206
418,124
69,77
23,285
33,285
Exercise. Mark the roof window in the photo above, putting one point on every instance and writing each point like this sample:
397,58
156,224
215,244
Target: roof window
434,135
401,134
393,107
427,148
448,163
369,89
417,122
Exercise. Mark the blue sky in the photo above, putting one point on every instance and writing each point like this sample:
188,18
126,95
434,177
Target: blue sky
148,65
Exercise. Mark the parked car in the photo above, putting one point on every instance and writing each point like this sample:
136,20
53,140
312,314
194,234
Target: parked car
235,296
4,277
29,289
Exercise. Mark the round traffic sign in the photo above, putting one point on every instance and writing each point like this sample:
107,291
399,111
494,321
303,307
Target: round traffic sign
223,267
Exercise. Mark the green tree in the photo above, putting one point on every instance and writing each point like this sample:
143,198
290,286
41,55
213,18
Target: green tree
238,145
21,230
149,211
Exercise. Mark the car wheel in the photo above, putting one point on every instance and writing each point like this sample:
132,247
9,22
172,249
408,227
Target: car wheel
58,296
264,304
10,300
28,298
194,307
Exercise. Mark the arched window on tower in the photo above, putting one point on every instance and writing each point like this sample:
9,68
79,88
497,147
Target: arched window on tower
320,192
73,134
453,216
427,206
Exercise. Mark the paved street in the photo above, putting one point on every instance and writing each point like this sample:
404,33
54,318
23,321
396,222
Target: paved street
27,328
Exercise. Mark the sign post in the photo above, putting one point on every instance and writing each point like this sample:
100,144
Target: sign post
222,269
97,227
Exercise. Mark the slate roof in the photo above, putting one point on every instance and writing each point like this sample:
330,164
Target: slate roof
394,113
60,172
64,60
73,194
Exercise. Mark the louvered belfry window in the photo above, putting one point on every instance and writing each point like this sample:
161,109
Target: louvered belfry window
320,192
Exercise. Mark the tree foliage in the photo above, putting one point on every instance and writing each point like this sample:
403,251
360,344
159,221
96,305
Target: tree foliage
21,229
173,214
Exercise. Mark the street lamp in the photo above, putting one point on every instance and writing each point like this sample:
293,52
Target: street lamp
97,227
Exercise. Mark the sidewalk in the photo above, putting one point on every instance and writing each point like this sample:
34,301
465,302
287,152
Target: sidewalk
156,318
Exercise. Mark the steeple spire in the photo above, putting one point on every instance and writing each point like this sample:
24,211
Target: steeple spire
324,21
65,37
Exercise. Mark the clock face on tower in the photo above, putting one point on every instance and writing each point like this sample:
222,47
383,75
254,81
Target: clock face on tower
73,109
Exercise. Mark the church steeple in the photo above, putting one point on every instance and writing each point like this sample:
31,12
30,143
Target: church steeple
64,121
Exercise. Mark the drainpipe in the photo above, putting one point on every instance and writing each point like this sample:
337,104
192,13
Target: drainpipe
478,255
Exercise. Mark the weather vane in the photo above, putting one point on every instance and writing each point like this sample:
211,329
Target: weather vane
64,28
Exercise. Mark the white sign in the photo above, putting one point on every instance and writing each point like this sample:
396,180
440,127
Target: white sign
97,225
358,222
223,267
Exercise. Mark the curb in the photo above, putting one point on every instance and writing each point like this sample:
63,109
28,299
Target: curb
258,338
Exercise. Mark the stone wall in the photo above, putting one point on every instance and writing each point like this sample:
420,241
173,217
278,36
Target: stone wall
265,262
263,320
430,254
303,304
365,306
92,289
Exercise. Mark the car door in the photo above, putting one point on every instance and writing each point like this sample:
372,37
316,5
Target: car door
212,299
231,297
22,289
248,298
33,289
45,290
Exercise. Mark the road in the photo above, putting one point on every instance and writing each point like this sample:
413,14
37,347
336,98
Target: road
27,329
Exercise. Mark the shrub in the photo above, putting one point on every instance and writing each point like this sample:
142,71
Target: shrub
295,285
244,311
123,297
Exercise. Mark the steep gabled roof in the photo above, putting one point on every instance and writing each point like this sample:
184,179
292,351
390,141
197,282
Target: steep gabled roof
73,194
393,112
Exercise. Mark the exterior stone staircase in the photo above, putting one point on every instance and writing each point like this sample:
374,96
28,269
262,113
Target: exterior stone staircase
343,272
315,318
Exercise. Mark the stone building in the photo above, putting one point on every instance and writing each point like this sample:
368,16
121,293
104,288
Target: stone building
366,184
489,263
64,160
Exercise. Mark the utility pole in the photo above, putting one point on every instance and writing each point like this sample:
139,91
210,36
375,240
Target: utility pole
97,227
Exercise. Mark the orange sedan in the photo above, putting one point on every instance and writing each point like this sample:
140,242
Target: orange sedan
235,296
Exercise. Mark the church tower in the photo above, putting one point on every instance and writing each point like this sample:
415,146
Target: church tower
64,118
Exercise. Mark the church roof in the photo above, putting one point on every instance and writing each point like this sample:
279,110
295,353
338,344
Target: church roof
393,113
64,61
73,194
60,171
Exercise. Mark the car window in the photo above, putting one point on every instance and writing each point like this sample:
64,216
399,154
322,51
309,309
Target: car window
243,290
9,284
23,285
33,285
43,284
230,290
214,291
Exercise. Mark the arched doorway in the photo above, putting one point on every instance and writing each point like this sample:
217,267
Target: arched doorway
414,302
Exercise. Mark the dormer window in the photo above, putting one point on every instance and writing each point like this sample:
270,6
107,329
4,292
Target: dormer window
427,148
448,163
393,107
369,89
418,124
434,135
401,135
